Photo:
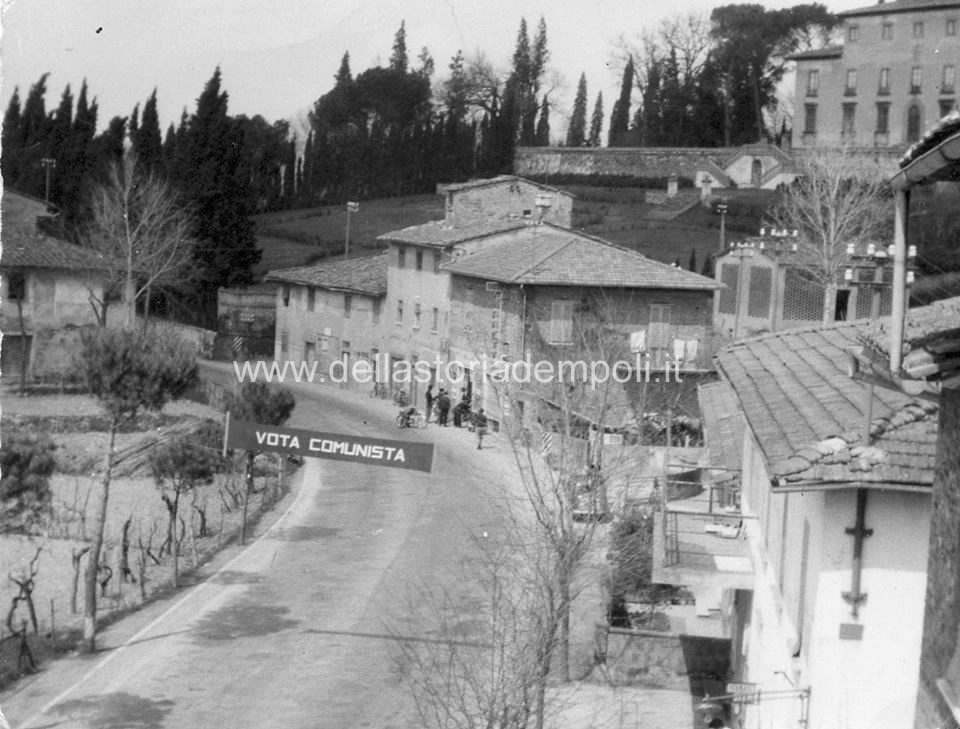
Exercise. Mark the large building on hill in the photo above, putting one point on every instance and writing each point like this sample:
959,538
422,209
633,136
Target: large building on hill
894,76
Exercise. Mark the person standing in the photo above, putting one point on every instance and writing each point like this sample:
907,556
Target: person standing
443,407
430,399
480,425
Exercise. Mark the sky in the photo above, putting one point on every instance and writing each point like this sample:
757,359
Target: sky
278,56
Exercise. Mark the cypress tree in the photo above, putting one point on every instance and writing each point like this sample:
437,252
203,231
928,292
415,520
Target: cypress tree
34,126
344,77
620,116
11,139
543,124
146,140
398,58
596,122
576,132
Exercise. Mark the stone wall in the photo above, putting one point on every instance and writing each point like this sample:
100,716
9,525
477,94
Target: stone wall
543,163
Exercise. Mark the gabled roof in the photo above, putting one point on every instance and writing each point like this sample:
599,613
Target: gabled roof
808,415
900,6
545,254
498,180
24,246
367,276
441,234
817,54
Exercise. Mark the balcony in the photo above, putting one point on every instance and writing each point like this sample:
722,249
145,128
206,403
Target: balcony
881,139
809,139
848,137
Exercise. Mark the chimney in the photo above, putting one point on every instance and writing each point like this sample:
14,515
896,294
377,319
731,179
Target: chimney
672,186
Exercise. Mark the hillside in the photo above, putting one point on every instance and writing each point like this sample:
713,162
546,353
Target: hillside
665,232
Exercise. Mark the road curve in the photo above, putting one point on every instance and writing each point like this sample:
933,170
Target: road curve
300,629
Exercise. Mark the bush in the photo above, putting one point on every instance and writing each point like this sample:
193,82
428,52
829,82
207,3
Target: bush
26,464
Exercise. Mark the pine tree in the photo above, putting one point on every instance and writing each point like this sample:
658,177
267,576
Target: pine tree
398,58
576,132
620,116
596,122
146,140
543,124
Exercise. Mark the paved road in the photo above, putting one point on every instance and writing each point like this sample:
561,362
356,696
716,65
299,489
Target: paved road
299,629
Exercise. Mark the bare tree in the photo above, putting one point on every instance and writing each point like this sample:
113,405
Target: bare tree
143,230
837,200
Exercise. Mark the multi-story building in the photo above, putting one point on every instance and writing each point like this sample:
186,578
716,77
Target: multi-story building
894,76
330,312
834,518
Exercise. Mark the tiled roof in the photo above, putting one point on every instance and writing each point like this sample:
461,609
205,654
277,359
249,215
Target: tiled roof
549,255
900,6
499,179
827,52
807,414
26,247
920,166
931,340
722,424
441,234
366,275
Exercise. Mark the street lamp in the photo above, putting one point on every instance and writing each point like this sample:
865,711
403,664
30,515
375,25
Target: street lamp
722,209
48,164
352,207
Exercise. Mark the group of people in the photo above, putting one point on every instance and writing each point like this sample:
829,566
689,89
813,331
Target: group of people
462,411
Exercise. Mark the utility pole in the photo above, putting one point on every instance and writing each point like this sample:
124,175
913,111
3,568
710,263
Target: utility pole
352,207
48,164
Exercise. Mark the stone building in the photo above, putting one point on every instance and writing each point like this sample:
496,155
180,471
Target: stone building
50,291
894,76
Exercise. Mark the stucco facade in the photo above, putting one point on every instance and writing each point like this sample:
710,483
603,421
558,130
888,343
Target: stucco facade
894,77
799,631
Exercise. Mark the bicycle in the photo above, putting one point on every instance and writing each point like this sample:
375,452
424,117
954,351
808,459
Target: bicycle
411,418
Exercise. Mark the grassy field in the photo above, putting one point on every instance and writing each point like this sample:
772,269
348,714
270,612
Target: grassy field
298,237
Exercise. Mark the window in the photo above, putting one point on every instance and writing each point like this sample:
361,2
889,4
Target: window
561,322
884,85
311,298
435,321
951,26
376,311
851,88
946,106
916,79
284,344
399,311
810,119
813,82
416,316
286,295
347,305
853,33
419,260
914,123
849,120
401,257
949,77
918,29
886,31
436,261
883,117
16,286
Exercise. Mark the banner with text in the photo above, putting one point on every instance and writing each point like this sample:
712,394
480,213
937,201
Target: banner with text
335,446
